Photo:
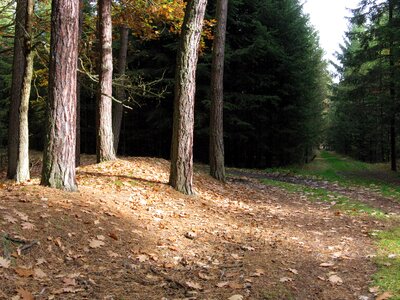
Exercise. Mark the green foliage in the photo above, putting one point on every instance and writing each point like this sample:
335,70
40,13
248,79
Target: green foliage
365,103
6,45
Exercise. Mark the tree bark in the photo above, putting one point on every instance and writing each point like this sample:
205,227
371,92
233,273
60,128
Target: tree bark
78,93
18,132
392,92
105,141
59,153
181,175
118,108
217,168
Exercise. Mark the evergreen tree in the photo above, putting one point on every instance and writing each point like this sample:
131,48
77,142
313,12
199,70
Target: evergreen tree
217,168
59,152
181,175
105,140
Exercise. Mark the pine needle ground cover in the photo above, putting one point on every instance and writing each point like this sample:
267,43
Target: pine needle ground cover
128,235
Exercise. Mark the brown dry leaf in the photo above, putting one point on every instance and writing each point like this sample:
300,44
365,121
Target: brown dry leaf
236,297
96,244
27,226
258,273
235,286
142,258
4,263
24,294
247,248
101,237
38,273
327,264
334,279
69,281
374,289
384,296
112,254
68,290
193,285
222,284
40,261
294,271
23,216
204,276
10,219
24,272
236,256
113,236
286,279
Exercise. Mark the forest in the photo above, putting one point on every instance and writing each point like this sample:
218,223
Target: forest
194,149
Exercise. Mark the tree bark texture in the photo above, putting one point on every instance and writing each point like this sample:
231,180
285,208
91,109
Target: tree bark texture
78,93
105,140
118,108
181,175
392,92
217,168
59,153
18,132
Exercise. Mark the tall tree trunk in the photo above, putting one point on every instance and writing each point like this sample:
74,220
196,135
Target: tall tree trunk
18,132
217,168
181,176
392,91
78,94
120,90
59,152
105,141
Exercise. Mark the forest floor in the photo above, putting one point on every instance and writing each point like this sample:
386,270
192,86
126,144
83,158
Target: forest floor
282,234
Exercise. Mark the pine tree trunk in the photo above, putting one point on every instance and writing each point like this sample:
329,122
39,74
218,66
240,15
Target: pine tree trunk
105,141
18,132
217,168
78,94
392,92
59,153
120,90
181,175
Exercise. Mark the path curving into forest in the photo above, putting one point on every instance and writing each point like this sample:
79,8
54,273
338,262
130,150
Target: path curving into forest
358,193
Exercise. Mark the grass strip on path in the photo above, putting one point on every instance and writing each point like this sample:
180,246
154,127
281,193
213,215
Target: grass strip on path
337,200
388,262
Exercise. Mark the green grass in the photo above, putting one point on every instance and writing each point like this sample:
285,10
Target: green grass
346,172
341,202
388,261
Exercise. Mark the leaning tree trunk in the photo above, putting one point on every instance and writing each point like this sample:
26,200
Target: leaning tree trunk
118,108
217,168
181,176
18,132
59,153
105,141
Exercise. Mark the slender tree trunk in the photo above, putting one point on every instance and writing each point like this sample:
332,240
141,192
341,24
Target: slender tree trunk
120,90
392,91
59,152
181,176
78,94
217,168
18,132
105,141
